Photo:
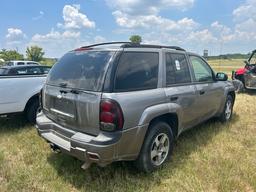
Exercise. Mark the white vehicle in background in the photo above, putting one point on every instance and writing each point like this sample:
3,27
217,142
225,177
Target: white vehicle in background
20,62
19,89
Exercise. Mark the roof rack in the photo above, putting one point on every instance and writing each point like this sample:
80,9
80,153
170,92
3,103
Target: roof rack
135,45
108,43
130,45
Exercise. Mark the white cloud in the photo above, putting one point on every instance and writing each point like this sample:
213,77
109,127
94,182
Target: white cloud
99,39
153,21
55,36
74,19
15,35
57,43
204,36
146,7
245,11
68,36
41,14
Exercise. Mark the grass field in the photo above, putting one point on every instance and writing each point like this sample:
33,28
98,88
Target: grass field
210,157
226,65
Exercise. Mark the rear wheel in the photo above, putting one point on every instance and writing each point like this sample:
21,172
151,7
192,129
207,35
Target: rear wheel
32,110
157,147
228,109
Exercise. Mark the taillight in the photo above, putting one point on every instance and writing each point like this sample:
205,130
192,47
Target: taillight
111,115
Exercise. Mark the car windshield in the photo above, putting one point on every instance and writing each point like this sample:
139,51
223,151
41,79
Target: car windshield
81,70
253,59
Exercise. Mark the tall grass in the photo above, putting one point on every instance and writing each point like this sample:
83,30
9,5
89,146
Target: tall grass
210,157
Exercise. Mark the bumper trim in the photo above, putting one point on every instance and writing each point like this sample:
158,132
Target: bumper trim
52,138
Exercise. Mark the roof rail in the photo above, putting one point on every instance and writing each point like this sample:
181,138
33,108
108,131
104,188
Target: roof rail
130,45
108,43
125,44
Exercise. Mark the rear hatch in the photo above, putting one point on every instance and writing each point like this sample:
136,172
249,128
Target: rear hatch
73,90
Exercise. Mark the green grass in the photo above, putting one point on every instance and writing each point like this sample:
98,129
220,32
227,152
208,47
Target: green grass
210,157
226,65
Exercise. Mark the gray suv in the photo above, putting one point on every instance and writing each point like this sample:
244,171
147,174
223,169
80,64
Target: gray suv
124,101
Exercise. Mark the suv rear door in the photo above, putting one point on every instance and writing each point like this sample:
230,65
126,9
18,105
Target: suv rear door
73,90
210,92
179,88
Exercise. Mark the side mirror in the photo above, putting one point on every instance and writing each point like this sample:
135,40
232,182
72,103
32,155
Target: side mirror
221,77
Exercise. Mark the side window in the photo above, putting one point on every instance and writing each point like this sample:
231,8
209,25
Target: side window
33,71
22,71
137,71
20,63
45,70
202,70
32,63
177,70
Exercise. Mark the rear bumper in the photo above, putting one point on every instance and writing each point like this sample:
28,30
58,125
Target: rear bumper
101,149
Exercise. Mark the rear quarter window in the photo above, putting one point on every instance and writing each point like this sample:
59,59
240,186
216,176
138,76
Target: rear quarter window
137,71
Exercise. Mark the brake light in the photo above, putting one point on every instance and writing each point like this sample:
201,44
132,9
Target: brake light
111,115
83,49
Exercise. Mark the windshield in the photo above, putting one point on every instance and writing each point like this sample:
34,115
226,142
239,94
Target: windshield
81,70
253,59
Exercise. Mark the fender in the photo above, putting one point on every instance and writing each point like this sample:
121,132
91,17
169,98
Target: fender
157,110
228,89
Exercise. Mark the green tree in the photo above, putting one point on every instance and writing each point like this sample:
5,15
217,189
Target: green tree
35,53
8,55
136,39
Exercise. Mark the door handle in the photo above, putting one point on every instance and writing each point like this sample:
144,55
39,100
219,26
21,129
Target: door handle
201,92
174,98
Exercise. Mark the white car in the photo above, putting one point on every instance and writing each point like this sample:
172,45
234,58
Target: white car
20,62
20,87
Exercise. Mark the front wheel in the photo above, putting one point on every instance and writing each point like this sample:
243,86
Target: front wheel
228,110
157,147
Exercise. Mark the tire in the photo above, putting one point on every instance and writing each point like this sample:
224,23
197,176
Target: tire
32,110
152,156
227,113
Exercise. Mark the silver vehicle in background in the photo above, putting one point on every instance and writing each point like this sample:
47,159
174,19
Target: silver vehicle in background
105,103
20,62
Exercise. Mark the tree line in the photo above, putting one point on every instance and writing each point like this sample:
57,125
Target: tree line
33,53
36,53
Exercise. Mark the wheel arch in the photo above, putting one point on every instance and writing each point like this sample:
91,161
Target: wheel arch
171,119
30,100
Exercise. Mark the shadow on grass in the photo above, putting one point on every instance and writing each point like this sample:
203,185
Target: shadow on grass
122,176
13,123
250,92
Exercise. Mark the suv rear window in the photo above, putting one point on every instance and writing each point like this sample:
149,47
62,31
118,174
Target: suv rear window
137,71
81,70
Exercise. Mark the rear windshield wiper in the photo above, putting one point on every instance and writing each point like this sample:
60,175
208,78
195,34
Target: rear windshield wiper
63,84
74,91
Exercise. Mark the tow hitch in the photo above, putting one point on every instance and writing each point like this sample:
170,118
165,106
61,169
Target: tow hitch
55,148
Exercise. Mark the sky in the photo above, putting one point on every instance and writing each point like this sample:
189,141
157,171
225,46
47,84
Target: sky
220,26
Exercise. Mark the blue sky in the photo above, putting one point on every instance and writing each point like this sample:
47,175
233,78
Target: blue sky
221,26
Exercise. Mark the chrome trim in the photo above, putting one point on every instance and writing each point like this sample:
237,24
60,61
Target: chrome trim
62,113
